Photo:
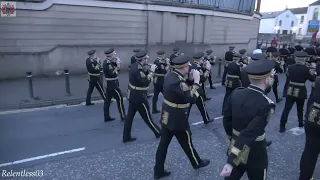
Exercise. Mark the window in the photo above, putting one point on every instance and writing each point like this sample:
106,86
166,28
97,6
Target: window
278,31
315,14
280,23
299,31
301,19
292,23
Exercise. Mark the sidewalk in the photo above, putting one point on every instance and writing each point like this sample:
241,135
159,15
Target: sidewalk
52,91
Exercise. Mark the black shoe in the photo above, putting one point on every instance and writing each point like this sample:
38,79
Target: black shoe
89,104
207,98
203,163
212,87
131,139
282,129
223,84
210,121
269,143
161,175
301,124
155,111
158,135
109,119
279,100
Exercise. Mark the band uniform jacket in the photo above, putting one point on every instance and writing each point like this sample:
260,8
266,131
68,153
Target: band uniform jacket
247,130
177,98
234,75
228,57
93,68
111,71
297,75
204,74
174,55
284,52
292,50
278,69
311,51
139,81
299,48
160,71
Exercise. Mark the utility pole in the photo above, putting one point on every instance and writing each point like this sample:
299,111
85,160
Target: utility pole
258,5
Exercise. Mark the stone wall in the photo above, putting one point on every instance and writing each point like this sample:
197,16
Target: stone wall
50,36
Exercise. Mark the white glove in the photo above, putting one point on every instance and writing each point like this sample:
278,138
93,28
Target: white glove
313,65
226,171
273,72
208,65
244,65
196,76
118,61
153,67
181,54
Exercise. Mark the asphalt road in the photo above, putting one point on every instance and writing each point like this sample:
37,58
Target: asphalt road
74,143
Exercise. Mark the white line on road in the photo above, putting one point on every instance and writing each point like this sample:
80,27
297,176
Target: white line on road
42,157
201,122
63,105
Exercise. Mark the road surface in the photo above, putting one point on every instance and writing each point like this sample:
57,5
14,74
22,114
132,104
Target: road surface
75,143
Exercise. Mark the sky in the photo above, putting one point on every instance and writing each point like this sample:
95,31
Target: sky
278,5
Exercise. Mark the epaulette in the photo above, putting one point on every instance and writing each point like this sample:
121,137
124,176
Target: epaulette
240,88
268,99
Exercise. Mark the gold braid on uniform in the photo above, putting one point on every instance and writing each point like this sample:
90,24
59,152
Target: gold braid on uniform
116,70
150,76
193,90
241,155
206,74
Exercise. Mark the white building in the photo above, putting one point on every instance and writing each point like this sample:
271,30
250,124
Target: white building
279,22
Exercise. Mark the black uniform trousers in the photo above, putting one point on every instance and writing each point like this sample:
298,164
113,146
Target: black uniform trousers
285,88
98,86
185,141
156,91
309,156
210,79
226,96
275,90
117,95
253,173
204,88
144,110
310,101
224,76
202,108
287,108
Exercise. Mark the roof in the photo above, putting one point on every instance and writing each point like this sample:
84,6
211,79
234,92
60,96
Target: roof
315,3
301,10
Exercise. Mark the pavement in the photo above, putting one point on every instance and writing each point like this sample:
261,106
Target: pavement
73,142
52,91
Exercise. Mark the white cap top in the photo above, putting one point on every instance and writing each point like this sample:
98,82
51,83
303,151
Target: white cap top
257,51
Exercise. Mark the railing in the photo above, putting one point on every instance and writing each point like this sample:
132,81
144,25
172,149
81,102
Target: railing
234,5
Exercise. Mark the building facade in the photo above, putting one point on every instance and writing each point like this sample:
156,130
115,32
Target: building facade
282,22
53,35
307,21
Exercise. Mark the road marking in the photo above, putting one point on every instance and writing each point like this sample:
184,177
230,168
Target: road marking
297,131
64,105
201,122
42,157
